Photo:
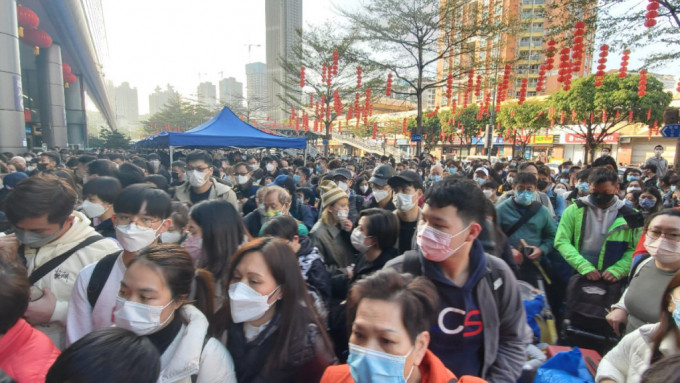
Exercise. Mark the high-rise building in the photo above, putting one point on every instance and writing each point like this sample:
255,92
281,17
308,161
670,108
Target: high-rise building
206,94
159,98
126,104
231,92
256,82
283,21
524,49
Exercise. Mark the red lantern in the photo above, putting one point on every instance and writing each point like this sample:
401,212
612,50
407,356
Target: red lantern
323,73
358,77
37,38
335,63
302,77
26,18
69,78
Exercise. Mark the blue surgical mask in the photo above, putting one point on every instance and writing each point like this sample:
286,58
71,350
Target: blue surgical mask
368,366
452,170
628,203
435,178
296,178
583,187
480,180
318,168
632,178
676,312
564,180
646,203
524,197
565,171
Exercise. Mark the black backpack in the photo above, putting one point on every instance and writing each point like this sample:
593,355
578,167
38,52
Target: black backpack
100,275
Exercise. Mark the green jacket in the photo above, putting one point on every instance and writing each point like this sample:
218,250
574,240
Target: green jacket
617,251
539,230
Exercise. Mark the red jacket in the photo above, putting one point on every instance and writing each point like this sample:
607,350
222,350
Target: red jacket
26,354
432,370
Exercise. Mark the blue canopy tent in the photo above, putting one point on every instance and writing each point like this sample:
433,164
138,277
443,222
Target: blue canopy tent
225,129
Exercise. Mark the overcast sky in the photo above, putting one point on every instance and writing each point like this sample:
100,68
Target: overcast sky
155,42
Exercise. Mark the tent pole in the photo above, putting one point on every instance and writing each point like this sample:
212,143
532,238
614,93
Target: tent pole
304,160
171,161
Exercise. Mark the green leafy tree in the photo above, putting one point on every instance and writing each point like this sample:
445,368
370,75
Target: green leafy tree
315,51
178,113
521,122
621,23
616,97
410,38
110,139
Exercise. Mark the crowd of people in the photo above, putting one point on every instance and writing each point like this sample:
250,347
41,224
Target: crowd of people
230,266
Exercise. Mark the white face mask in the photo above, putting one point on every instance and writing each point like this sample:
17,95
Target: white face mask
242,179
632,189
380,195
363,188
134,238
171,237
247,304
560,191
663,250
139,318
92,209
358,238
487,193
196,178
155,163
343,186
403,201
341,215
30,168
270,167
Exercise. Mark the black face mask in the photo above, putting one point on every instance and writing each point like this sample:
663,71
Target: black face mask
175,175
601,199
542,185
42,167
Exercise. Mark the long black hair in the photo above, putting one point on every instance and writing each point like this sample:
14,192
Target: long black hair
296,308
223,232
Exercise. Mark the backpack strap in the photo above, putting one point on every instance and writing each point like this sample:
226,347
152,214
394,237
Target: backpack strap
412,263
53,263
194,377
528,214
99,276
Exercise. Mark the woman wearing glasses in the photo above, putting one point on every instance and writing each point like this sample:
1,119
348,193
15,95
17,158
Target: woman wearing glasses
650,273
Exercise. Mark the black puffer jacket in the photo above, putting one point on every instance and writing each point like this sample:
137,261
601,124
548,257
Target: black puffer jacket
308,357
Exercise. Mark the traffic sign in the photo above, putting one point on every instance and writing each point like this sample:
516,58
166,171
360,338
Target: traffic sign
416,137
671,131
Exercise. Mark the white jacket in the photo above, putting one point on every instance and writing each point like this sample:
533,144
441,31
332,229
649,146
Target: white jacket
61,280
82,318
186,355
626,362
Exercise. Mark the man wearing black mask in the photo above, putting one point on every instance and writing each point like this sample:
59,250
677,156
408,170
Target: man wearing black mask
598,233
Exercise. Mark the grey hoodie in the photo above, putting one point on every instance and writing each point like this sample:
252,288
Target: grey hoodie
598,222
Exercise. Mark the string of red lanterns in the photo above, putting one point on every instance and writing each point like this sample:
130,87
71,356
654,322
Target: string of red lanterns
652,13
358,77
623,70
388,89
602,64
642,83
302,77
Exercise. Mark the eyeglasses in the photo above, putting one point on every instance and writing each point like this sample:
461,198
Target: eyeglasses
189,168
143,221
655,234
242,174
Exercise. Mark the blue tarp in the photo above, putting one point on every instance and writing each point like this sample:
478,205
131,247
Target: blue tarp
225,129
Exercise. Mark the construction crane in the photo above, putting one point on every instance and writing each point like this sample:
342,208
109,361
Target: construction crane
250,47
